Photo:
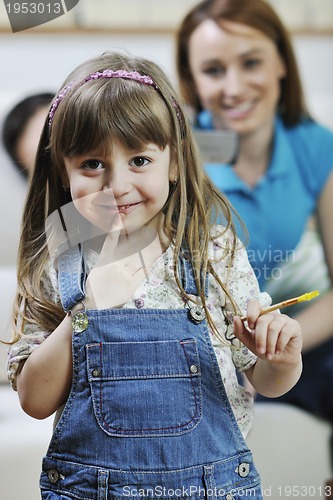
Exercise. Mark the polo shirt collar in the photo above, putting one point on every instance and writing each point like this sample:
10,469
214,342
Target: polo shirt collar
281,165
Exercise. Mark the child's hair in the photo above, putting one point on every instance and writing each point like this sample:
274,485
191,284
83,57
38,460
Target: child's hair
17,119
92,116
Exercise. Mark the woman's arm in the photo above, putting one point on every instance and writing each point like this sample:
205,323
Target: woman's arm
317,319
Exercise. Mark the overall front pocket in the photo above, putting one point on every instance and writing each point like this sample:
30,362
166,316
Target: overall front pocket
145,388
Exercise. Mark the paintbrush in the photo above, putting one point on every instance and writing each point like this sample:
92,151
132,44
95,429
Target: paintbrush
289,302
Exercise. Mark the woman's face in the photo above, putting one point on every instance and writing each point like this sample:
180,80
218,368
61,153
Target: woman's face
237,72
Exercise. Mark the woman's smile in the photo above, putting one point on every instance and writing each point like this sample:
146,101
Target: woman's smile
241,110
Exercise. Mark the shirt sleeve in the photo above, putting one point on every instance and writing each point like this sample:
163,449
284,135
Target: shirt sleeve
243,286
33,335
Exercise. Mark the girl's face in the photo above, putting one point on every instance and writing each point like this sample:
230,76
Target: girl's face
133,183
237,72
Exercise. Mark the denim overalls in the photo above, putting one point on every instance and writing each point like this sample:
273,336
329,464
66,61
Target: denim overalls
147,415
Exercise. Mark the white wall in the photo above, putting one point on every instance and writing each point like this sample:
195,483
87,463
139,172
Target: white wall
315,58
32,62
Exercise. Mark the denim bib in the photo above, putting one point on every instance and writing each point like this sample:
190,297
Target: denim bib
147,415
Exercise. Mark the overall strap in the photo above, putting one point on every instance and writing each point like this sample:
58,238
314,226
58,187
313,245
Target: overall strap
71,277
187,273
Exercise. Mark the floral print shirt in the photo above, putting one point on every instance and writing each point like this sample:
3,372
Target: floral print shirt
160,291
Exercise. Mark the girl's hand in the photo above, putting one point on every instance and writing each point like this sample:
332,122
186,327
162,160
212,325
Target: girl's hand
104,279
273,337
122,265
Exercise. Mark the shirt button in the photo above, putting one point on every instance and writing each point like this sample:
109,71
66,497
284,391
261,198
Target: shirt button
194,369
53,476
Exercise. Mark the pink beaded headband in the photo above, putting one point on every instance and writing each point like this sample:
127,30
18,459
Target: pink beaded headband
108,73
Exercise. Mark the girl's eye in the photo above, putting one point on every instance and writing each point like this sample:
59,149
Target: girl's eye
139,161
92,165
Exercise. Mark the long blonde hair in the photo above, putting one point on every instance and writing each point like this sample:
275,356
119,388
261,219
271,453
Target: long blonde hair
91,117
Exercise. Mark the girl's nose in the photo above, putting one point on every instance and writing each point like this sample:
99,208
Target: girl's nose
118,181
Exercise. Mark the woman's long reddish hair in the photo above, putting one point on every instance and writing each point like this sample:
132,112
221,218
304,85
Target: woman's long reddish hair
257,14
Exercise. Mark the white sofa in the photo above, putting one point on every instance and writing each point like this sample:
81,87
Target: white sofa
291,451
23,442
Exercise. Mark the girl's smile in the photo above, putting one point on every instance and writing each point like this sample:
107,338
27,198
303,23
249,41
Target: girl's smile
121,209
125,209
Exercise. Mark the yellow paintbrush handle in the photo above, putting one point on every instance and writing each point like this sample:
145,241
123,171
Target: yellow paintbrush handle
286,303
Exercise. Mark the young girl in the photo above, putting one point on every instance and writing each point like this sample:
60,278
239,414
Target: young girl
128,322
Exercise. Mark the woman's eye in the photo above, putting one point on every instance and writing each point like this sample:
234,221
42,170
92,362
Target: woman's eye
92,165
213,71
252,63
139,161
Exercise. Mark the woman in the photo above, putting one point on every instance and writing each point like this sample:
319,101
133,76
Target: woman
237,70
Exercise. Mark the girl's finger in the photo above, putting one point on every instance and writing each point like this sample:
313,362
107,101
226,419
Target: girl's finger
111,241
290,334
243,334
273,326
268,328
252,313
264,338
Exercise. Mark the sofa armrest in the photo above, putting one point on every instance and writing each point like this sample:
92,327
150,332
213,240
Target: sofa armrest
23,443
291,450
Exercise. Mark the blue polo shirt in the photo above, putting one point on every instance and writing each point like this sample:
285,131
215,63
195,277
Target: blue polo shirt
276,210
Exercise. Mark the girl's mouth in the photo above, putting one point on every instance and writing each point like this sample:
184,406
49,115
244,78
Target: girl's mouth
123,209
